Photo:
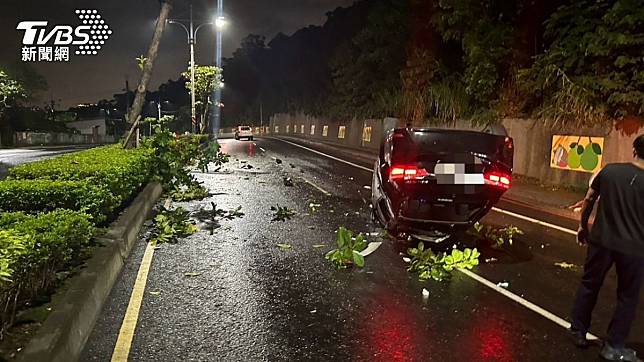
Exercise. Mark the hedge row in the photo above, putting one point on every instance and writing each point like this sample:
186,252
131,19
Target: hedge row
33,248
123,172
70,194
48,195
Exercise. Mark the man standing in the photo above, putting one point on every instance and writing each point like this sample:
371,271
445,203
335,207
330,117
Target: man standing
617,237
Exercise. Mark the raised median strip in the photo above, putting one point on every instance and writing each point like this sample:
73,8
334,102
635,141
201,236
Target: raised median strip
65,331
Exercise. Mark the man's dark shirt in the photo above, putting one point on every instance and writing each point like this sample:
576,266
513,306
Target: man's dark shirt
619,224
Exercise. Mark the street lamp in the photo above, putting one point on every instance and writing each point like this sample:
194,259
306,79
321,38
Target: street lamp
220,22
191,31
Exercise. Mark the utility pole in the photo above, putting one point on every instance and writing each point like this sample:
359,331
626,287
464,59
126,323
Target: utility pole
261,116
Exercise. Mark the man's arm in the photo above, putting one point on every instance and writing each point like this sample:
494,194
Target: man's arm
586,210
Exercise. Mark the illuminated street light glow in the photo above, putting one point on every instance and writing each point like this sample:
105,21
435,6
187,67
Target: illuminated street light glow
220,22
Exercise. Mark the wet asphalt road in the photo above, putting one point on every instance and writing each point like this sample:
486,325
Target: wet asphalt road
252,301
10,157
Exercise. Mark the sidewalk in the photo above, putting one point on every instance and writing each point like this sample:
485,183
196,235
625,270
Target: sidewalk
525,192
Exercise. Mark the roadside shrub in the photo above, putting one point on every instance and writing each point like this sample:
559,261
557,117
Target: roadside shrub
123,172
48,195
173,156
33,249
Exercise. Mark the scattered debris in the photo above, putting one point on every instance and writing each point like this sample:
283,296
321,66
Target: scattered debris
348,250
278,161
284,246
494,235
318,246
366,187
169,225
425,293
314,207
282,213
292,165
288,181
406,259
192,274
504,285
247,166
564,265
491,260
211,217
313,311
439,266
234,213
155,293
373,246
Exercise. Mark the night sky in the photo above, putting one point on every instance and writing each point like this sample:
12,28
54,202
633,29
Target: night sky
91,78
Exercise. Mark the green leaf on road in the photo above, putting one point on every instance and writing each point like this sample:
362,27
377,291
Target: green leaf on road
358,259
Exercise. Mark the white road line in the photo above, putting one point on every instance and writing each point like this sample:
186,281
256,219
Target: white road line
533,307
535,221
325,155
317,187
529,305
510,213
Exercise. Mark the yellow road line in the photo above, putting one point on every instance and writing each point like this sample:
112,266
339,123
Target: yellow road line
126,334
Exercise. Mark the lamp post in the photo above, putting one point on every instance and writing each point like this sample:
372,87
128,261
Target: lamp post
191,31
220,23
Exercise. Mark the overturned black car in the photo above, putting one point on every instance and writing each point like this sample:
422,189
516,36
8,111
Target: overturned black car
439,181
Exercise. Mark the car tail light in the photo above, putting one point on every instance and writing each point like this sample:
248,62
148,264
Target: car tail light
407,173
498,179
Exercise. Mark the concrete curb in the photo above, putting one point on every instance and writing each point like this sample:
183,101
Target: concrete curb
64,333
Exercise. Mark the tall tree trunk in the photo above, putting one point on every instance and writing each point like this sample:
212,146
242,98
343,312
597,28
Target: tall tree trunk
141,90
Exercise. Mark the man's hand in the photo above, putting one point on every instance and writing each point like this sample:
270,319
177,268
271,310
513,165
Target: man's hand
582,236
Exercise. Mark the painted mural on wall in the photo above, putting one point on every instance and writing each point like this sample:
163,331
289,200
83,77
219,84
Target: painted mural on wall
577,153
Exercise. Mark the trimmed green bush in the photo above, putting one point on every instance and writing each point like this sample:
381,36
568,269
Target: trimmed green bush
33,249
123,172
48,195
